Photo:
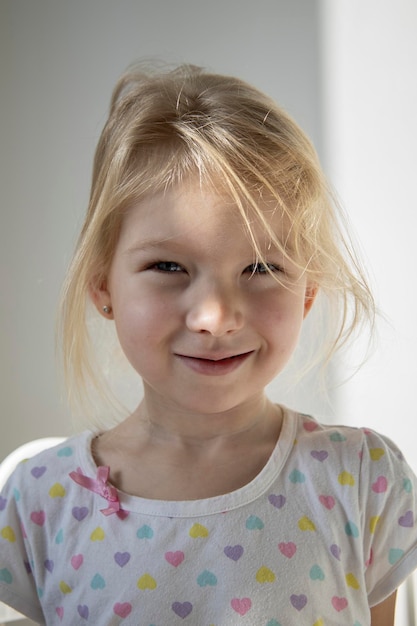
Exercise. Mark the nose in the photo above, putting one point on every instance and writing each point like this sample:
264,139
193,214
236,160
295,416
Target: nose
215,309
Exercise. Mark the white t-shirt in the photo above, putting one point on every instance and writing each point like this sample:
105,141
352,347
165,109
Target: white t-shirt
327,529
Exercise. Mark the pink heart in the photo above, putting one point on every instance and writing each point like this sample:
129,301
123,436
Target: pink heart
60,612
38,517
339,603
77,561
310,426
174,558
122,609
327,501
241,605
287,549
380,485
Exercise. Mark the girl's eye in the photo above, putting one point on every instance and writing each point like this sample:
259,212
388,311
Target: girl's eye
262,268
166,266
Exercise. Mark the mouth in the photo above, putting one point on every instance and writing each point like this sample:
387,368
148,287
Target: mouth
214,366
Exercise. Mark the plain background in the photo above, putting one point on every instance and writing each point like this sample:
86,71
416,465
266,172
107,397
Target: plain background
345,70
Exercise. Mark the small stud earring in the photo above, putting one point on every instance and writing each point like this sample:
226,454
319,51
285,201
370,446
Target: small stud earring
106,309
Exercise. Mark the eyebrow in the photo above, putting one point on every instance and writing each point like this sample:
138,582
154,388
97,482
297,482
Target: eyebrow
148,244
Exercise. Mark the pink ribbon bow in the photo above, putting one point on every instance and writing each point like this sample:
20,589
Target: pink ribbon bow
99,485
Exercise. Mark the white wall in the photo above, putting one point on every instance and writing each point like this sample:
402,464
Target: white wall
370,138
59,60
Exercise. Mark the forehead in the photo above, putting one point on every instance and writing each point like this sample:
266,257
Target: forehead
193,211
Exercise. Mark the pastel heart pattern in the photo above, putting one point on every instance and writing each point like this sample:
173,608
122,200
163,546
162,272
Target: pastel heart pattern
145,532
64,587
298,601
60,612
5,576
57,491
352,581
8,534
182,609
64,452
38,472
146,582
376,453
327,501
97,582
316,573
254,523
277,501
380,485
49,565
198,531
122,558
407,520
337,437
79,513
83,611
207,579
76,561
3,502
97,534
336,551
287,549
346,479
351,530
297,477
122,609
395,554
60,537
310,426
265,575
38,517
339,603
373,523
306,524
319,455
233,552
241,605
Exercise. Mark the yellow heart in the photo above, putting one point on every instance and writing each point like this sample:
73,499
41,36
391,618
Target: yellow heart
319,623
64,587
373,522
265,575
376,453
8,533
57,491
352,582
346,479
146,582
97,534
305,523
197,530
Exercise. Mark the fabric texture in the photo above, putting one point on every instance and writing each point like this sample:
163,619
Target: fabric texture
325,530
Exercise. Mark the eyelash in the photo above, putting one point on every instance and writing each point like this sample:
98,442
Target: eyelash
253,269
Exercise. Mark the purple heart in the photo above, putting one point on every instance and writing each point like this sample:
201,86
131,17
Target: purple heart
79,512
83,611
407,520
49,565
3,502
336,551
298,602
277,501
319,455
27,567
122,558
182,609
37,472
233,552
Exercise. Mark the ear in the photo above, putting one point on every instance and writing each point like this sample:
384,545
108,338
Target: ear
309,298
101,297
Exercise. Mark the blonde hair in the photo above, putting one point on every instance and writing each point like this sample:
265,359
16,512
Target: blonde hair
166,126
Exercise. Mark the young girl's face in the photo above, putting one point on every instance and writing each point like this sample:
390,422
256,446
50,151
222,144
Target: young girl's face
204,325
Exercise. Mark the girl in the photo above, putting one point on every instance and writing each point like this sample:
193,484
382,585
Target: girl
210,234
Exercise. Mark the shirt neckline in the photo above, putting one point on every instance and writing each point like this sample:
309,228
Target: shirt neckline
208,506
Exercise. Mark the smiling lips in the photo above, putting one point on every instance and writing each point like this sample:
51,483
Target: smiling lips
214,367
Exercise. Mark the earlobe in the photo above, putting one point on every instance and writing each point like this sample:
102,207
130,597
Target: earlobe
101,298
309,298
